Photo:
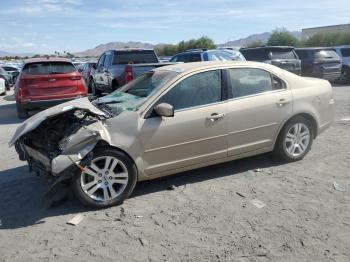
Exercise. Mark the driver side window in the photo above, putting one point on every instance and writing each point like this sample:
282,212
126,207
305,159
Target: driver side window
196,90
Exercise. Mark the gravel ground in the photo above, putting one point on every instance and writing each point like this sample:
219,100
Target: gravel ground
208,216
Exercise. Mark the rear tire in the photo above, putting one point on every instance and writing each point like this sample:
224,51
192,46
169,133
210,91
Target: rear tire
115,86
90,85
7,85
109,179
295,140
22,113
345,77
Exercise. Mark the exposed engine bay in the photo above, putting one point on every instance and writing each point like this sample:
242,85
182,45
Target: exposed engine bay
62,136
52,135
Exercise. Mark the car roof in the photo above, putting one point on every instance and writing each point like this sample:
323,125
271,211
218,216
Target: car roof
315,48
267,47
194,66
46,59
342,46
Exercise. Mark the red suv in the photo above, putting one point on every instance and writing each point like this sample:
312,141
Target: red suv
45,82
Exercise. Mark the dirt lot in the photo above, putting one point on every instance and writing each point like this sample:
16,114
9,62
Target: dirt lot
202,219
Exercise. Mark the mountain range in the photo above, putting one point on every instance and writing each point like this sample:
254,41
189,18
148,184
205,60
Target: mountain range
98,50
4,53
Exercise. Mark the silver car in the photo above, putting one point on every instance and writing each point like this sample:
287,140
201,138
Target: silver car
172,119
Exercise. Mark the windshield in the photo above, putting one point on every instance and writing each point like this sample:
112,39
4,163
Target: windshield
46,68
134,94
328,54
135,57
282,54
146,84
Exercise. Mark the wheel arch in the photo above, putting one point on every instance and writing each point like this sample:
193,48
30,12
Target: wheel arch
307,116
103,143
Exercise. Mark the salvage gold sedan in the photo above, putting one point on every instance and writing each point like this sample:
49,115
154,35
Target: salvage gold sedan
172,119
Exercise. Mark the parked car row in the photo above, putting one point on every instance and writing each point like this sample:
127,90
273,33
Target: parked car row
330,63
48,81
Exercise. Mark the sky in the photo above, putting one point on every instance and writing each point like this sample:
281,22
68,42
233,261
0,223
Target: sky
44,26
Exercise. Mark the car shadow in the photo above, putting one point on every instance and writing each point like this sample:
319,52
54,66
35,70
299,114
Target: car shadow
8,114
231,168
24,201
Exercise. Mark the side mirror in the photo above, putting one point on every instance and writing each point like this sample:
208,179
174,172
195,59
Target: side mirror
164,109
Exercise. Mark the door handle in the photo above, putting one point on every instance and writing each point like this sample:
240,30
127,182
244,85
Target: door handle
282,102
52,80
215,117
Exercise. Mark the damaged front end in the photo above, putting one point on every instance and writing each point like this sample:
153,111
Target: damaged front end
59,140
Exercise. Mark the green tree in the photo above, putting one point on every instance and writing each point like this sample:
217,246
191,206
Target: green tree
202,42
327,39
282,37
256,43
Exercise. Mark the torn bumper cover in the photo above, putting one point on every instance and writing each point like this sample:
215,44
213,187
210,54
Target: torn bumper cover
59,137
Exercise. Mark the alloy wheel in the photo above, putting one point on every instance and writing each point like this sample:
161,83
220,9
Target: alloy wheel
297,140
104,179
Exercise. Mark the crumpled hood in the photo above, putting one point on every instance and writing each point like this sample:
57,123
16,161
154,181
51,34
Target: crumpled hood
34,121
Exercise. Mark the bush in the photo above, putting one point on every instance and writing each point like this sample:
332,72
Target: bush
327,39
282,37
203,42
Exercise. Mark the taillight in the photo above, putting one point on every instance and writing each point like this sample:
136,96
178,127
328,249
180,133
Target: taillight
128,74
75,78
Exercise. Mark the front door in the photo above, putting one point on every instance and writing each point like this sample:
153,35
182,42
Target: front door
198,131
99,72
260,103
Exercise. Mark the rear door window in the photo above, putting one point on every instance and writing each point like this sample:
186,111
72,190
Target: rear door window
256,54
345,52
302,54
190,57
135,57
252,81
48,68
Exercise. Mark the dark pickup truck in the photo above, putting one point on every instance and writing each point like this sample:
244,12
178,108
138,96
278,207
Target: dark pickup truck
115,68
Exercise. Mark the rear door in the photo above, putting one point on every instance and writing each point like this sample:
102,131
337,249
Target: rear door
259,104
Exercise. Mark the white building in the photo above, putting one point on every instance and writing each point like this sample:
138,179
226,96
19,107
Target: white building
308,32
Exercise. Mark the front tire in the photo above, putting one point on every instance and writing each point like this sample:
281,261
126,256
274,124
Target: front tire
107,181
95,91
295,140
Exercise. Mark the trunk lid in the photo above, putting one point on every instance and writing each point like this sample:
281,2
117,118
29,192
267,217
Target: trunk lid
51,79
